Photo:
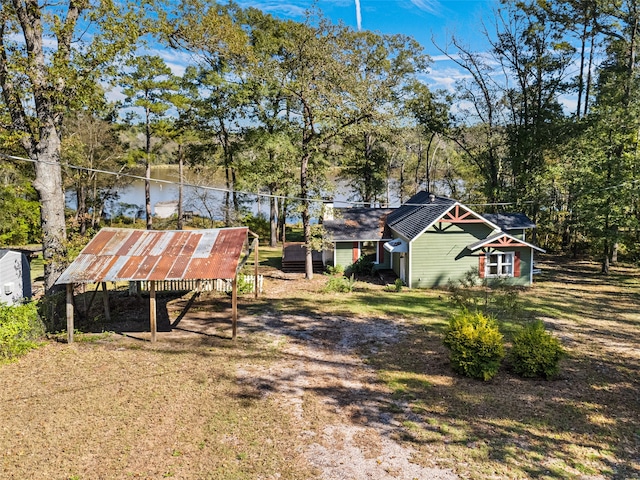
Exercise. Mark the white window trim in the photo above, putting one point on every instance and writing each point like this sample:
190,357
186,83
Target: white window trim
499,264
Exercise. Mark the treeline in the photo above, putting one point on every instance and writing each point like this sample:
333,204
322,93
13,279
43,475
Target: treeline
281,107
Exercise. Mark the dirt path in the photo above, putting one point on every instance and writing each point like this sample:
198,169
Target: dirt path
321,366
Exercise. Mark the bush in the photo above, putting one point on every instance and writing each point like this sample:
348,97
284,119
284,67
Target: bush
340,285
335,270
395,287
535,352
362,266
475,344
20,329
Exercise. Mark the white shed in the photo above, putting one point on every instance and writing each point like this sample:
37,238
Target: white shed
15,277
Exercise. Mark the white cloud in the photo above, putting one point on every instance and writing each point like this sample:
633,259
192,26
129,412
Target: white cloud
176,60
430,6
275,7
444,58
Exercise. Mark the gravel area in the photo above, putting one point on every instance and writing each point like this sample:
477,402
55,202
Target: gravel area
321,359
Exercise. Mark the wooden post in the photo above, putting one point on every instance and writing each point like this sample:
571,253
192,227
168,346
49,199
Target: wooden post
105,301
152,309
255,269
234,307
69,312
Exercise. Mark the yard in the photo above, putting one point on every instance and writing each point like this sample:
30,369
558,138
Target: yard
331,386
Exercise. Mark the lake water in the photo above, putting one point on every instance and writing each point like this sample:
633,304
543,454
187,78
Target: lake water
205,202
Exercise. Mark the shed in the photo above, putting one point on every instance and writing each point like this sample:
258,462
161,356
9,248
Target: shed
15,277
118,254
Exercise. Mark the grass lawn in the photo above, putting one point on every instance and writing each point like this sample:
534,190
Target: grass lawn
113,406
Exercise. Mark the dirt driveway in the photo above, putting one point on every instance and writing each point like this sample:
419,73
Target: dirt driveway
322,379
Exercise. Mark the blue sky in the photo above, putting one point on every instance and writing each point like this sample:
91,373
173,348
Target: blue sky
421,19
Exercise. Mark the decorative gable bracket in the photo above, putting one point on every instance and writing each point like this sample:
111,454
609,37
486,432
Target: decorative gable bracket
460,215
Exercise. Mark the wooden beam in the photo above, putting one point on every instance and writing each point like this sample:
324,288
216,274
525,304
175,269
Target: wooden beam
105,301
255,269
234,307
152,309
69,312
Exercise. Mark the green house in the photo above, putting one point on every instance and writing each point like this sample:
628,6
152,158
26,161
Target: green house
430,240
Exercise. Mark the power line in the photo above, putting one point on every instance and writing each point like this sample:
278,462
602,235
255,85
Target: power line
232,191
158,180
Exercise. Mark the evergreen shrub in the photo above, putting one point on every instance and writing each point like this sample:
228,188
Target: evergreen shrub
535,352
475,344
20,329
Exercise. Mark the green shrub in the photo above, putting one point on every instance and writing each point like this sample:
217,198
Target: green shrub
395,287
20,329
335,270
244,286
340,285
535,352
475,344
362,266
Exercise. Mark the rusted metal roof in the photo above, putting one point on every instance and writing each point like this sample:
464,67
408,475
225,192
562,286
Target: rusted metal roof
120,254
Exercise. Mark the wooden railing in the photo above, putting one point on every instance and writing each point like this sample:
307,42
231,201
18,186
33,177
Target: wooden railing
217,285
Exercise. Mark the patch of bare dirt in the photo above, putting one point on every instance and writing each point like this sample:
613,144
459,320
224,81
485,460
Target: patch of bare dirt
356,438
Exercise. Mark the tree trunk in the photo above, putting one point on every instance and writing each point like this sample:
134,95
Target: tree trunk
180,187
283,222
82,209
227,197
236,201
273,221
147,173
48,184
147,195
306,217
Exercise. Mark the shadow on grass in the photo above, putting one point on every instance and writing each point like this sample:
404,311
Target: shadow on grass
582,423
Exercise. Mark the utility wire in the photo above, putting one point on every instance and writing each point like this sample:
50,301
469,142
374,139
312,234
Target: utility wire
227,190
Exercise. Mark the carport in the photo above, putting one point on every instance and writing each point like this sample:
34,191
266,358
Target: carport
127,255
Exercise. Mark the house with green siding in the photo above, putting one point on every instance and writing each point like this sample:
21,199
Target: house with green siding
430,240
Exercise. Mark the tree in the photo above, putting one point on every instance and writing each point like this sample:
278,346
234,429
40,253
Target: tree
149,86
19,222
383,66
535,58
609,148
91,144
40,84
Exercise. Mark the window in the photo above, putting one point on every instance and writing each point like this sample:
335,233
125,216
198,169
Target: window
369,250
499,265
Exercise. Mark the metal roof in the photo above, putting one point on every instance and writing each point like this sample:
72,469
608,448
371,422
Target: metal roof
510,221
507,242
358,223
120,254
421,210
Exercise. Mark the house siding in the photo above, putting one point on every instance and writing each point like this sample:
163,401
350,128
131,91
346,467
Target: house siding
519,234
438,256
344,253
526,257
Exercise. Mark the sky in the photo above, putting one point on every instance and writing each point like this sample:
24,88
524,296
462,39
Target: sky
424,20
